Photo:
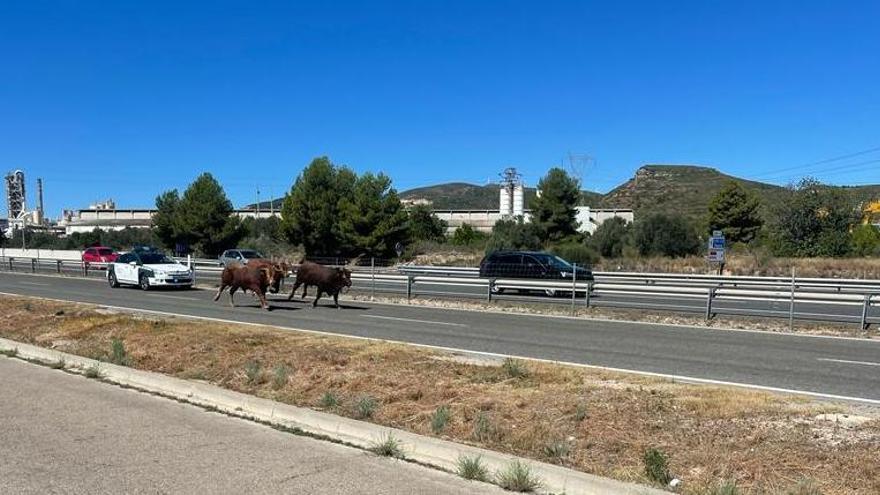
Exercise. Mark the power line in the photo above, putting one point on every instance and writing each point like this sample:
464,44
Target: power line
820,162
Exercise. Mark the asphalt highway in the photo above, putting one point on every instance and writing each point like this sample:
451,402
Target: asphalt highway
833,367
850,313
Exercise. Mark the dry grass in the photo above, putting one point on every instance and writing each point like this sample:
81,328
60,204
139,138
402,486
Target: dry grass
765,443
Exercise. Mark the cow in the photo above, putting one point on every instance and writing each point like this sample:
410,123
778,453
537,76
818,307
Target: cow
254,277
327,280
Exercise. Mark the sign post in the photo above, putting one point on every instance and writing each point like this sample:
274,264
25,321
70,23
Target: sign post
716,250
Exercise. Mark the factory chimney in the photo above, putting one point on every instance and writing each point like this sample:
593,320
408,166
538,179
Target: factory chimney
40,209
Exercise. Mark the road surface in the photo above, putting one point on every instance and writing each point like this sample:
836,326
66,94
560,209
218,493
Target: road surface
64,433
818,365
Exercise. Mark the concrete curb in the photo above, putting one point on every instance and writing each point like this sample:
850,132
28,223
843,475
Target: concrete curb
426,450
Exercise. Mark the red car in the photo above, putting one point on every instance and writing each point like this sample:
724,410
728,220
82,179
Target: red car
99,254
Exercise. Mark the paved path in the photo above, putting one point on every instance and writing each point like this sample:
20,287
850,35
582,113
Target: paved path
63,433
833,366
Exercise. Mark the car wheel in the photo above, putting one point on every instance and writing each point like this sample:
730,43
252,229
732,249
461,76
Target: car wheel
144,283
497,290
550,292
111,279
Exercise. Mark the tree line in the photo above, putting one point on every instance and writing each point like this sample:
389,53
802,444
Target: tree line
331,211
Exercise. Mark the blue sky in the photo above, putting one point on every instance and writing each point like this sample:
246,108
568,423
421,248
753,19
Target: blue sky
125,99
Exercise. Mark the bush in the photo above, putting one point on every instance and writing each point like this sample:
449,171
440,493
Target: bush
280,376
388,447
866,240
424,225
518,477
611,237
365,407
657,467
483,430
118,355
665,235
514,235
515,368
329,400
577,253
465,235
472,468
440,419
253,372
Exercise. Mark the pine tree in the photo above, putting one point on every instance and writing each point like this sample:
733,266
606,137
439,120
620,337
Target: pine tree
425,226
736,212
165,218
204,217
372,219
553,212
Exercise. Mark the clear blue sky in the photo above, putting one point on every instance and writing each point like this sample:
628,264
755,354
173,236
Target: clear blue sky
125,99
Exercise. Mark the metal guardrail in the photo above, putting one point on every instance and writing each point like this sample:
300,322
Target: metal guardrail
627,290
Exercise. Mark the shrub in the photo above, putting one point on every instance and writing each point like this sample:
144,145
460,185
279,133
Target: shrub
577,253
515,368
657,467
557,450
611,237
365,408
483,430
866,240
253,371
440,419
58,365
465,235
388,447
10,352
665,235
118,354
280,376
517,477
329,400
424,225
472,468
514,234
91,372
580,412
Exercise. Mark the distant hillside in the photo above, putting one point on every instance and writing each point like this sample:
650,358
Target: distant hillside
681,189
678,189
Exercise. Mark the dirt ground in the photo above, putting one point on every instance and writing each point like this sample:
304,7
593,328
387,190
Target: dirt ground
594,421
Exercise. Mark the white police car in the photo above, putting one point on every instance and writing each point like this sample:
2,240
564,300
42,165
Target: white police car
147,268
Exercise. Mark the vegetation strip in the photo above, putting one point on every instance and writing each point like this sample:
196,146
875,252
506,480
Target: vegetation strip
594,421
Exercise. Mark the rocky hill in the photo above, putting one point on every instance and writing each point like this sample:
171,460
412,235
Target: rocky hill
678,189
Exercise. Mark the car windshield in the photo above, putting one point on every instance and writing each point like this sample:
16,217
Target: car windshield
554,261
251,255
155,259
105,252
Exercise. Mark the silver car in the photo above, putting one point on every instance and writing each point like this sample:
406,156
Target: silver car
240,256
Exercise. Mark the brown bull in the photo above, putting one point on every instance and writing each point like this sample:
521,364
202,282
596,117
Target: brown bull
328,280
254,277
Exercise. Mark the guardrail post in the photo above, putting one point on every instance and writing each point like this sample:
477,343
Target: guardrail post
372,277
865,307
489,289
573,286
10,264
791,303
710,296
33,265
58,263
409,284
589,289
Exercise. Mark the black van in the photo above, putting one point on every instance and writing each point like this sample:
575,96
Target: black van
531,264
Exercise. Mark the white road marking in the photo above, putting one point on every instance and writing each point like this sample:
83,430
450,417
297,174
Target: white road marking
846,361
705,381
34,283
176,297
416,321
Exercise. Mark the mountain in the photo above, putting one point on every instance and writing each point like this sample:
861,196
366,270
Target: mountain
681,189
675,189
